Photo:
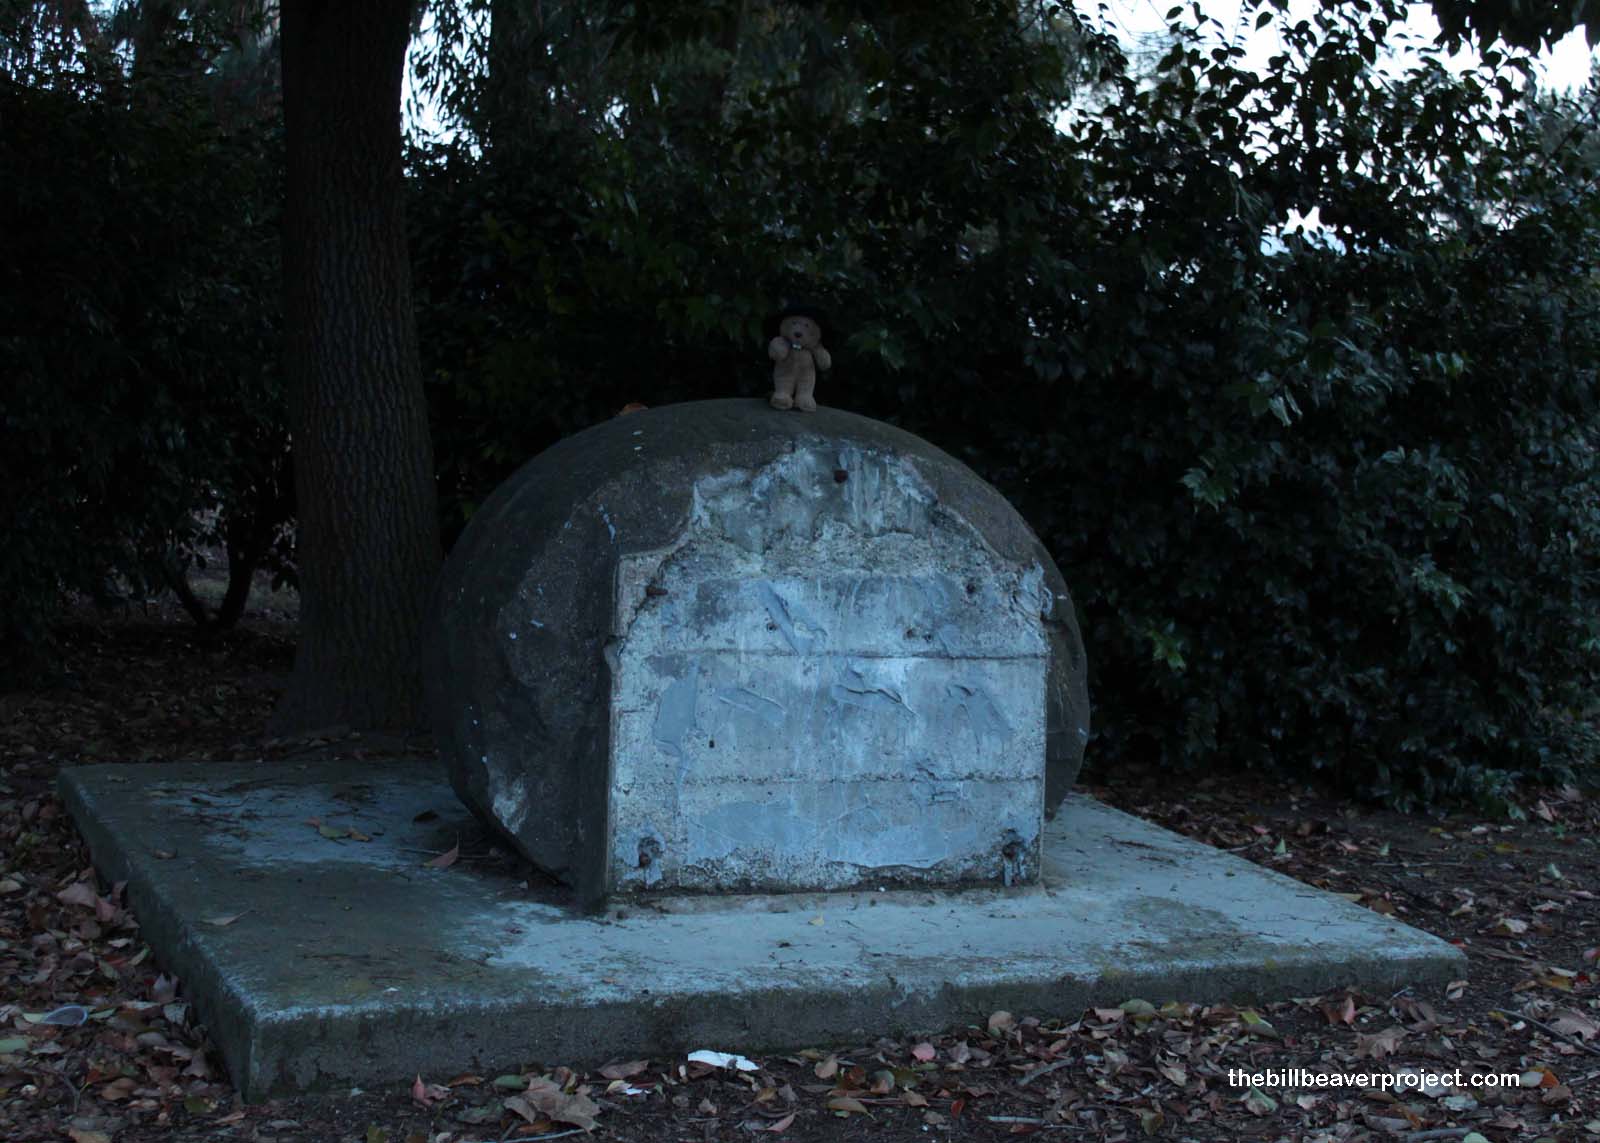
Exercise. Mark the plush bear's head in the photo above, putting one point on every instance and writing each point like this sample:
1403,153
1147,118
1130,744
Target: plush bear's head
797,329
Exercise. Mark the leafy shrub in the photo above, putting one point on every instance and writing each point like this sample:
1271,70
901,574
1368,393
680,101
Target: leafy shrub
1385,429
138,336
1326,496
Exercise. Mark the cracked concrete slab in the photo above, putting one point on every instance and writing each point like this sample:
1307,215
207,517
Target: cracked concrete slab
355,963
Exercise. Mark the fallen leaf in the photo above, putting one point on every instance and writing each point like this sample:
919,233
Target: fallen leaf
428,1094
924,1052
1000,1023
525,1109
575,1108
624,1071
118,1089
223,920
446,859
778,1125
1574,1023
1258,1102
828,1068
1341,1013
847,1104
1379,1044
78,893
1259,1024
78,1135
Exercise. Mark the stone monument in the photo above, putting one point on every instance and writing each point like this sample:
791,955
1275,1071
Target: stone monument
709,647
700,659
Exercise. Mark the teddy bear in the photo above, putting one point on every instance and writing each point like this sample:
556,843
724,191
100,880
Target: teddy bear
798,356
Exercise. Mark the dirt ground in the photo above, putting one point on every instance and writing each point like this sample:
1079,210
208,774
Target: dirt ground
98,1045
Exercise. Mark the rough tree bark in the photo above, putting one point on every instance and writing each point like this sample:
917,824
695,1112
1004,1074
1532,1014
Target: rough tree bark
368,539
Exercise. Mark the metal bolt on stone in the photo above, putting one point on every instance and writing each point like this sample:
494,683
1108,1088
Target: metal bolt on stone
1011,858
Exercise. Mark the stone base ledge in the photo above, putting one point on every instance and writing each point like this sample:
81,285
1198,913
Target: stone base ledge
354,963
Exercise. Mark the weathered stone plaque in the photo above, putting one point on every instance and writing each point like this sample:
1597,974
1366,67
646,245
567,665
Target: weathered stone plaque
710,647
843,683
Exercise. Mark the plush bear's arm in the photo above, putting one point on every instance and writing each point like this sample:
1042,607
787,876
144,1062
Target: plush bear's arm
778,348
822,359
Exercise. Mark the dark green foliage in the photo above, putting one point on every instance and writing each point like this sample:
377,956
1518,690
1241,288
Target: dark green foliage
636,255
1520,23
138,335
1326,495
1326,498
1384,431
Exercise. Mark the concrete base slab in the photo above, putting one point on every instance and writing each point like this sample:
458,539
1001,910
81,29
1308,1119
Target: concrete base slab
352,962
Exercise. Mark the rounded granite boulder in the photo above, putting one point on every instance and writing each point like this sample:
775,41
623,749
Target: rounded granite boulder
712,646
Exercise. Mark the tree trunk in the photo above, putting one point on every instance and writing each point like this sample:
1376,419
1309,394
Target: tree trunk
368,541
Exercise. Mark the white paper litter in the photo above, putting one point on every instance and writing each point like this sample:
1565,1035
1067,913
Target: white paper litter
722,1060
